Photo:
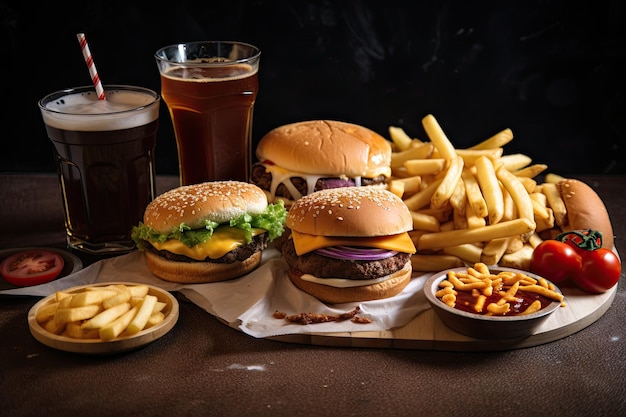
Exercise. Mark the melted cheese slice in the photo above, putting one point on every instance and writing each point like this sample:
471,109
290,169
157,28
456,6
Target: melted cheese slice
305,243
283,176
223,240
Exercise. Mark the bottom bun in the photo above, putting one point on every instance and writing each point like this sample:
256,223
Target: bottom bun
199,272
337,295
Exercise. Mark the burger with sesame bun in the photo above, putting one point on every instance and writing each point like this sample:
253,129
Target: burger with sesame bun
213,231
349,244
299,158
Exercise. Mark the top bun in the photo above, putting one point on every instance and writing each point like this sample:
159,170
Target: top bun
585,210
218,201
350,212
327,147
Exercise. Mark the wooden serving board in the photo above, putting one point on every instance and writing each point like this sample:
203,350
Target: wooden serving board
427,332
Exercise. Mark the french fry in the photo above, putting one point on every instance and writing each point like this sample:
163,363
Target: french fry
425,222
515,161
46,312
155,318
486,175
515,243
399,138
471,155
534,240
396,187
441,214
458,199
459,220
540,208
556,203
528,183
531,171
494,250
139,290
74,330
519,259
519,195
467,252
68,315
438,137
117,326
496,141
446,187
439,240
139,321
424,166
434,263
474,195
422,198
552,178
421,151
91,297
410,185
60,295
472,220
105,317
123,296
53,327
158,306
510,211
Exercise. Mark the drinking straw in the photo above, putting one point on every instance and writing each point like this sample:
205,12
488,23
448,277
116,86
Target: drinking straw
91,66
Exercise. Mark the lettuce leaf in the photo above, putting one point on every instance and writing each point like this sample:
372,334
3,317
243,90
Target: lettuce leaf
272,220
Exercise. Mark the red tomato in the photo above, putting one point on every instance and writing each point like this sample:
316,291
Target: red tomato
555,261
31,267
600,271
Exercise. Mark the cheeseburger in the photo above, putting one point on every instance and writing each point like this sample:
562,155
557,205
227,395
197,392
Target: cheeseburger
208,232
349,244
300,158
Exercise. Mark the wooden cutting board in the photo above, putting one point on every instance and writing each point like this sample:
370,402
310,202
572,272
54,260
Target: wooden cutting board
427,332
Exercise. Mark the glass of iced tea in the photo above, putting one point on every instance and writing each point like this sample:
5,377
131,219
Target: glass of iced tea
105,162
210,88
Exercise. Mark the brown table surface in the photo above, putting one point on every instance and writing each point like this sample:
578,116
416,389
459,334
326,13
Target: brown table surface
203,367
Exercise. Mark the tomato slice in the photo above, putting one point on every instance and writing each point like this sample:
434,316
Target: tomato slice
31,267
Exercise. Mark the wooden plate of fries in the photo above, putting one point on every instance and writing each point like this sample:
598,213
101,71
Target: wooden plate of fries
103,318
492,291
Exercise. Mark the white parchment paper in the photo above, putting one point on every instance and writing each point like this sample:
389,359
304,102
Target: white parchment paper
249,302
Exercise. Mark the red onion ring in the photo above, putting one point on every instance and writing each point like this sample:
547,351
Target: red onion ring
354,253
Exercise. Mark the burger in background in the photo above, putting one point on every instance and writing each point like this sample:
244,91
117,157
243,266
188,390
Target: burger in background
349,244
300,158
208,232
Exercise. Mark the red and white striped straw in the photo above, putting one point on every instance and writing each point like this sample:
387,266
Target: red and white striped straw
91,65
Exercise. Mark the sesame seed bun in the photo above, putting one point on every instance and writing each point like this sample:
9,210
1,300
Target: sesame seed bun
327,147
199,272
335,295
350,211
218,201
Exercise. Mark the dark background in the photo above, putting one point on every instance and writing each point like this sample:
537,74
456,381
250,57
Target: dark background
546,69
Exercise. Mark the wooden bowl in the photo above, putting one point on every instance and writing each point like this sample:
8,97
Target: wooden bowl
96,346
482,326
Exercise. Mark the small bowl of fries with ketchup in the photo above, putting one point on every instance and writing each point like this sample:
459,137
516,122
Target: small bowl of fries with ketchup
492,302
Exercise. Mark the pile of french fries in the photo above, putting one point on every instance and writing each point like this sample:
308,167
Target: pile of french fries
104,312
475,204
